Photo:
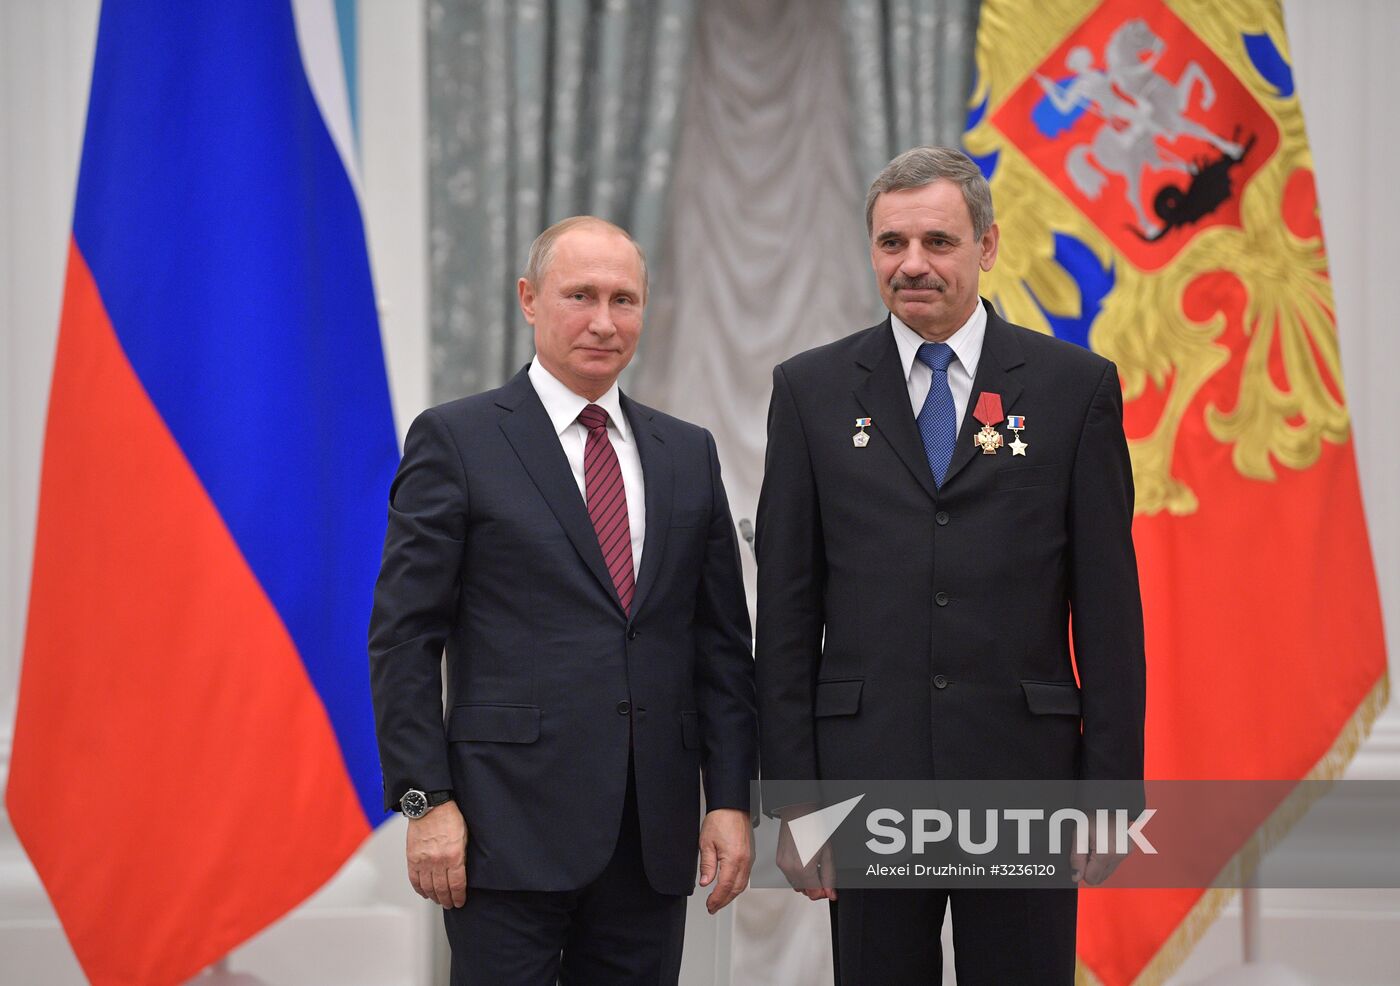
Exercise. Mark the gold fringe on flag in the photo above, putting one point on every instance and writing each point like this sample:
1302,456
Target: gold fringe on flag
1236,872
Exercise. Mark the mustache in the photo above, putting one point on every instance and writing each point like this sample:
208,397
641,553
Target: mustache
926,283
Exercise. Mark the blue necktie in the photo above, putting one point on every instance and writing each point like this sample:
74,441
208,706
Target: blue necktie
938,418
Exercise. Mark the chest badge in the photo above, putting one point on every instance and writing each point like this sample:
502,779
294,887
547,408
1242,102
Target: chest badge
860,439
1016,422
989,412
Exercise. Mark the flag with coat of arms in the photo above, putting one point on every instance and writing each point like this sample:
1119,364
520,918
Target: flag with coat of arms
1155,193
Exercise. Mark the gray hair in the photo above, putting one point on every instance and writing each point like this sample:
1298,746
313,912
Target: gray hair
922,166
542,250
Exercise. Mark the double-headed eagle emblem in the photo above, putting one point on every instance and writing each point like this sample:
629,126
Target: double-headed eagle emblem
1155,196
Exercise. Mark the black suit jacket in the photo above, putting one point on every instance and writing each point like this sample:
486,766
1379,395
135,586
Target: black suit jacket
490,552
911,632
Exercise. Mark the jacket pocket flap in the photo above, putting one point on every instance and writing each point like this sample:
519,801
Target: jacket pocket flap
839,697
1052,697
691,517
690,730
1019,477
494,723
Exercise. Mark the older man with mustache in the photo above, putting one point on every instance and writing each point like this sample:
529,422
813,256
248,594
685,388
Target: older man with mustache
943,491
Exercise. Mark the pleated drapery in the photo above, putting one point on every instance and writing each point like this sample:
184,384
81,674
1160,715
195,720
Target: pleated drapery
911,69
538,110
766,245
755,232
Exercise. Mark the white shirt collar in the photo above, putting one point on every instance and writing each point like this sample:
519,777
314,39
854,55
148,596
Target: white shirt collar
966,342
563,405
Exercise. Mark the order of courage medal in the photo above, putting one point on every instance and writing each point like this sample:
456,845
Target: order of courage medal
988,412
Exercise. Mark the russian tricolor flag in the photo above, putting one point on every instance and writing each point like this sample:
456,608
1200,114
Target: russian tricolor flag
194,749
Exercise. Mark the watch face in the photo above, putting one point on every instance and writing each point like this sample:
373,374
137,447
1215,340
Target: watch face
414,804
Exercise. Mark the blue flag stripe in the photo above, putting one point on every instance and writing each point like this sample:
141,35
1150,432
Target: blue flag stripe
227,244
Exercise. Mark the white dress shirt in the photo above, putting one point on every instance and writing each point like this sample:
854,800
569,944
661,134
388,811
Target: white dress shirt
563,407
966,344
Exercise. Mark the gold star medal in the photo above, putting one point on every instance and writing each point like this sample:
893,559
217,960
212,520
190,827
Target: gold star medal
1016,422
860,439
989,413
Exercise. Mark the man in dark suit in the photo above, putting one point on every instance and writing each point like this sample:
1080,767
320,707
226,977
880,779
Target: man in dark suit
943,491
574,553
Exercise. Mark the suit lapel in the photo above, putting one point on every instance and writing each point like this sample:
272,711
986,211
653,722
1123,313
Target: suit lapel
884,396
1001,354
531,434
658,476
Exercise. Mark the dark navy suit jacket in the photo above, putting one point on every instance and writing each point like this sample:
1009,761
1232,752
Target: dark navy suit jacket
911,632
490,553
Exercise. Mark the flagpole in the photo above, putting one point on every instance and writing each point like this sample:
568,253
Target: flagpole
1249,922
220,974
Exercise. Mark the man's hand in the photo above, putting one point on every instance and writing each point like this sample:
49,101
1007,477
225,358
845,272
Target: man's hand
437,855
818,878
1097,865
726,855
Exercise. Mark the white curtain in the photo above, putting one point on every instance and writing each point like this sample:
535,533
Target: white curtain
537,110
911,71
765,254
765,257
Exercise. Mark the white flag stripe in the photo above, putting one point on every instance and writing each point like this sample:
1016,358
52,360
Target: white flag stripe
318,36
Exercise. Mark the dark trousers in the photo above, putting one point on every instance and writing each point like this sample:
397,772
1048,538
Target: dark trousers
616,930
1000,937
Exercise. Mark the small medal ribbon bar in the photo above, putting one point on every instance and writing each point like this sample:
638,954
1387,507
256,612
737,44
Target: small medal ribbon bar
862,422
1015,421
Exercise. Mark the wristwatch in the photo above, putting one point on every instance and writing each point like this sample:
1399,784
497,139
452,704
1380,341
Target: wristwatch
416,803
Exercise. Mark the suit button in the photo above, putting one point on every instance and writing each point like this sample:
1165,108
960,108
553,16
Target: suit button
942,518
941,599
623,708
939,681
633,633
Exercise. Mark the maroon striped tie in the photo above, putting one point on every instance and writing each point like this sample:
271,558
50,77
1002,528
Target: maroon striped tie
607,502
